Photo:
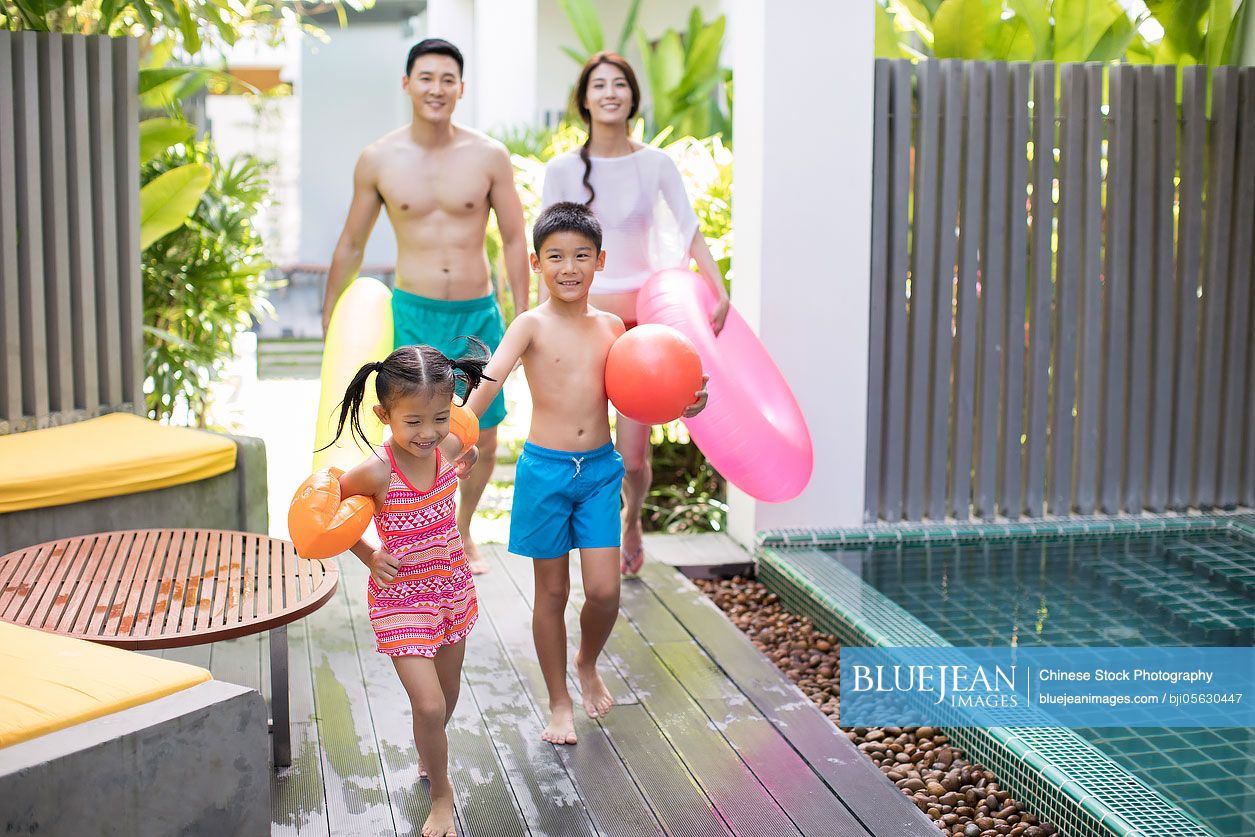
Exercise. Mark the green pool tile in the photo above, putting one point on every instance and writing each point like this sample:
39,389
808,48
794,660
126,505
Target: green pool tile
1064,583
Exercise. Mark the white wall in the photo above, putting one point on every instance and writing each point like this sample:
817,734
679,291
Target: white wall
803,225
350,93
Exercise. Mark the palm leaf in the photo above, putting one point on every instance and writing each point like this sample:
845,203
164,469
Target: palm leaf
959,29
156,135
629,26
583,19
167,201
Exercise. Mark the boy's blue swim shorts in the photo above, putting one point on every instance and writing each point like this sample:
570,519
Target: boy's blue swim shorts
565,500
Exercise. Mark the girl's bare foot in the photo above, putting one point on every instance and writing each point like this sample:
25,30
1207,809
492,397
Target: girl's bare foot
440,822
422,768
596,697
561,728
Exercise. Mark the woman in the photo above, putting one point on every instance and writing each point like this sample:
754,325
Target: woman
648,223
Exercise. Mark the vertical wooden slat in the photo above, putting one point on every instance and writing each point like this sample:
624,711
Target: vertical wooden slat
104,214
1042,285
1164,341
30,256
1224,105
1119,245
1073,105
1188,376
923,283
1248,468
878,303
1089,401
975,127
1239,327
82,227
1017,295
126,151
993,278
56,238
943,329
10,291
1141,289
901,126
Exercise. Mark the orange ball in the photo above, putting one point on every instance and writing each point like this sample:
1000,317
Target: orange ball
653,373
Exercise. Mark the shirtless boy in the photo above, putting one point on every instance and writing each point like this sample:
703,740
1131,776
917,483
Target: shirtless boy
566,489
438,181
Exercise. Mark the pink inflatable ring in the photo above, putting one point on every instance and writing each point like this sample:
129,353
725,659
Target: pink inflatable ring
752,429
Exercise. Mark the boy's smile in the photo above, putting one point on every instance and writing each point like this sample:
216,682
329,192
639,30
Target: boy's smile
567,262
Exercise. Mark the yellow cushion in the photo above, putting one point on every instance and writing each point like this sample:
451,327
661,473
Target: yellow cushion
115,454
49,682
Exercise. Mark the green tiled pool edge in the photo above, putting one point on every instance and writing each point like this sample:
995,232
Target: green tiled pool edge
1054,771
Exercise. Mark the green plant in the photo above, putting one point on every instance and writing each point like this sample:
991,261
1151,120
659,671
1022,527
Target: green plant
684,76
686,494
192,24
1153,31
582,15
203,282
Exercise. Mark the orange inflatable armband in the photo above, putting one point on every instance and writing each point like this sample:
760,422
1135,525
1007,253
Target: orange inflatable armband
320,523
465,425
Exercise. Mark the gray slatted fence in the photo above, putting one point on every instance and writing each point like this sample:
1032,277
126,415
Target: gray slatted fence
70,288
1062,311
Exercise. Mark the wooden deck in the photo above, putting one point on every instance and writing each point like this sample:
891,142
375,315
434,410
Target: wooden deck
708,737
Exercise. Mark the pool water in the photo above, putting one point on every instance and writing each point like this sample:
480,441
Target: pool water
1141,589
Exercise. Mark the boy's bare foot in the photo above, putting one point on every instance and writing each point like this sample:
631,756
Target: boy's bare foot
596,697
440,822
561,728
477,565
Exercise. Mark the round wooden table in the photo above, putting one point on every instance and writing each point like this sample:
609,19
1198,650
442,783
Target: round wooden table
167,588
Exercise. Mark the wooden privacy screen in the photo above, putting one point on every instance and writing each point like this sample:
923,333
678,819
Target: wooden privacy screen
1061,315
70,288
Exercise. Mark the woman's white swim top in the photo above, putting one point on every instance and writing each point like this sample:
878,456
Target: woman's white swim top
646,219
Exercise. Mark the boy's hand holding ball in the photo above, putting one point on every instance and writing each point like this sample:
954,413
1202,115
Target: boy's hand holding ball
700,398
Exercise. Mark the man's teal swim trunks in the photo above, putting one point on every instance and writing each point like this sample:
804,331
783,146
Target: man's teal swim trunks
440,322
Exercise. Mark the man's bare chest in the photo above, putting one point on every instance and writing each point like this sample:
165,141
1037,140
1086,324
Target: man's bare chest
453,187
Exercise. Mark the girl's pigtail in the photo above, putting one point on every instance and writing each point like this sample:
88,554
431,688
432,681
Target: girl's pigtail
470,365
351,406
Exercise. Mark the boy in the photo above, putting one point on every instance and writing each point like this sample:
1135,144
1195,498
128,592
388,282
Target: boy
566,490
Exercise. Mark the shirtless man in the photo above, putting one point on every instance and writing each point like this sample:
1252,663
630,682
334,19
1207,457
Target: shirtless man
438,181
566,490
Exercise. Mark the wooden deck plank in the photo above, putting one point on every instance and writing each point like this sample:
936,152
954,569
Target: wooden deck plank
390,711
593,764
352,769
737,794
542,788
809,802
881,808
297,803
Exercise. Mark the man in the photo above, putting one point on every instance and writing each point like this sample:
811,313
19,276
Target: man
438,181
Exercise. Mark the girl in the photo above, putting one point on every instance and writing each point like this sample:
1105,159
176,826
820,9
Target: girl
648,224
420,595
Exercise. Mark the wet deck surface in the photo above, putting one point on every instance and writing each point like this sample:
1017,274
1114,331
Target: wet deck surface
708,737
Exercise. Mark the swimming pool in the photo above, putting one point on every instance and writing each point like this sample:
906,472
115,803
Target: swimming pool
1077,583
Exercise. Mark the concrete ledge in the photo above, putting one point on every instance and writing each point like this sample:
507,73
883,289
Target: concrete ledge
195,762
234,500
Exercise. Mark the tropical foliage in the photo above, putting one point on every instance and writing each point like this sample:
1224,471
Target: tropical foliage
690,94
191,24
203,281
1154,31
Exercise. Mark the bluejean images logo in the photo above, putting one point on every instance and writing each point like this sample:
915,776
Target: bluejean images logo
1052,687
